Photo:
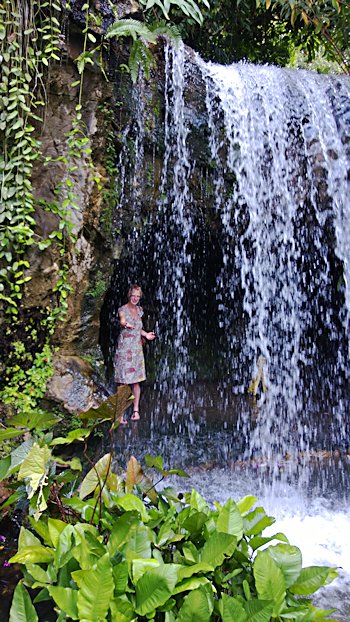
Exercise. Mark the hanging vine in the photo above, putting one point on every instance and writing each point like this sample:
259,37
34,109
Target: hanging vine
30,41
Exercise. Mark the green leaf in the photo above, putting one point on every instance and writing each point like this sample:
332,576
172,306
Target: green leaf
257,541
113,408
6,433
230,520
312,578
122,530
122,610
217,547
95,476
194,522
5,464
120,576
288,558
130,502
138,544
197,606
269,581
190,584
231,610
33,554
246,503
79,434
55,527
197,502
187,571
27,538
255,522
41,575
22,608
34,468
258,610
154,461
154,588
66,598
96,587
139,567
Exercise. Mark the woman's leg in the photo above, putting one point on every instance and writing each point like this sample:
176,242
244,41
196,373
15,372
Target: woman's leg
136,391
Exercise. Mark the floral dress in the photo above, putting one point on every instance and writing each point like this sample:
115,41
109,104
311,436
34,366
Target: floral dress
129,358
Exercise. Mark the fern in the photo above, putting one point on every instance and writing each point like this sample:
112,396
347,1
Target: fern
162,29
140,55
130,28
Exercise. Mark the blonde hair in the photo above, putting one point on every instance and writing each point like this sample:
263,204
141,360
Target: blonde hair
131,289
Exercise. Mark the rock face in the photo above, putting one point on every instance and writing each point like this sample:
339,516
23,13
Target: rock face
72,384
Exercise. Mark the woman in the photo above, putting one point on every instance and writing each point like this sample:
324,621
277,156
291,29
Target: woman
129,359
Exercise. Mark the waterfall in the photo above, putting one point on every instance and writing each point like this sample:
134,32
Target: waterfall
286,149
244,253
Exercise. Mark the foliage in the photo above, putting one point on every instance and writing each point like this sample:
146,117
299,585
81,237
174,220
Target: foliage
272,31
103,544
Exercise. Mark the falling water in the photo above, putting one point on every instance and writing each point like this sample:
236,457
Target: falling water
245,259
246,251
174,224
286,149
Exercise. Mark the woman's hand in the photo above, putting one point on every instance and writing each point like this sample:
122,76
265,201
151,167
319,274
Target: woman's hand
149,336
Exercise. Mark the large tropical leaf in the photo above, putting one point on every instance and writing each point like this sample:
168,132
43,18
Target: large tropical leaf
139,567
6,433
122,610
256,521
230,520
231,609
258,610
33,470
114,407
40,575
121,577
22,608
188,571
96,587
288,558
79,434
66,599
269,581
312,578
122,529
136,477
55,527
34,554
197,606
138,544
96,476
35,420
190,584
154,588
246,503
217,547
130,502
258,541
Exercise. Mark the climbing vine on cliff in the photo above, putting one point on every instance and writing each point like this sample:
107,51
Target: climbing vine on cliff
31,39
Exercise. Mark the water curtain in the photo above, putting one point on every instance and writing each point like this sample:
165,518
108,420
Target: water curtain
247,251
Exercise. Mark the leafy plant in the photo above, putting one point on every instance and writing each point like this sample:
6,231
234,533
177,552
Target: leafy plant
164,558
104,544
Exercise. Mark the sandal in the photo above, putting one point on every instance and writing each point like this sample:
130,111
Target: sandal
123,421
135,416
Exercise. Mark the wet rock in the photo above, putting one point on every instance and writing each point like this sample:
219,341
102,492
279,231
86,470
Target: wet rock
72,385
